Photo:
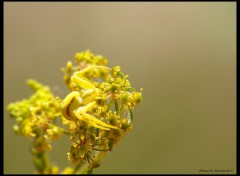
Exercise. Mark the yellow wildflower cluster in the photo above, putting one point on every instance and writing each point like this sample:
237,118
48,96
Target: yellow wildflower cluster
98,112
36,118
99,108
37,112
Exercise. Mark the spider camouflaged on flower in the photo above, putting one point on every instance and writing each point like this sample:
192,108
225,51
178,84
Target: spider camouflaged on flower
97,110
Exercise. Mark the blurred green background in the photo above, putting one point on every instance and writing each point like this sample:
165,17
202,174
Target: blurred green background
182,54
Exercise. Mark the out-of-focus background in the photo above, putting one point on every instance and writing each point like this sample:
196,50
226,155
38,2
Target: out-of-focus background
182,54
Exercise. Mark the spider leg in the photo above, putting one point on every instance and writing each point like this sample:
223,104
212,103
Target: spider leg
71,102
90,123
97,122
81,113
82,81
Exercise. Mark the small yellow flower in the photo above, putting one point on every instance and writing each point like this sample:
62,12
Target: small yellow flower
54,170
68,170
54,133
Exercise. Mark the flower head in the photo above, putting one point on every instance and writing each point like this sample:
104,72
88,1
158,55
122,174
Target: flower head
99,108
35,116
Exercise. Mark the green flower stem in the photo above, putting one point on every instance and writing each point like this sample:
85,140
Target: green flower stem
76,168
86,167
41,158
41,162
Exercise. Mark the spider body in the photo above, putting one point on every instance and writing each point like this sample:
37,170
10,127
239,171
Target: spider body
76,106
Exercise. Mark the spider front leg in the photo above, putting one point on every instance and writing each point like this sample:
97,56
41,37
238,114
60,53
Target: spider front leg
81,114
72,110
90,90
82,81
71,102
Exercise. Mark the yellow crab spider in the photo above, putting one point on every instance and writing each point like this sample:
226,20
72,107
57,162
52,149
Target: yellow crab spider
76,107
